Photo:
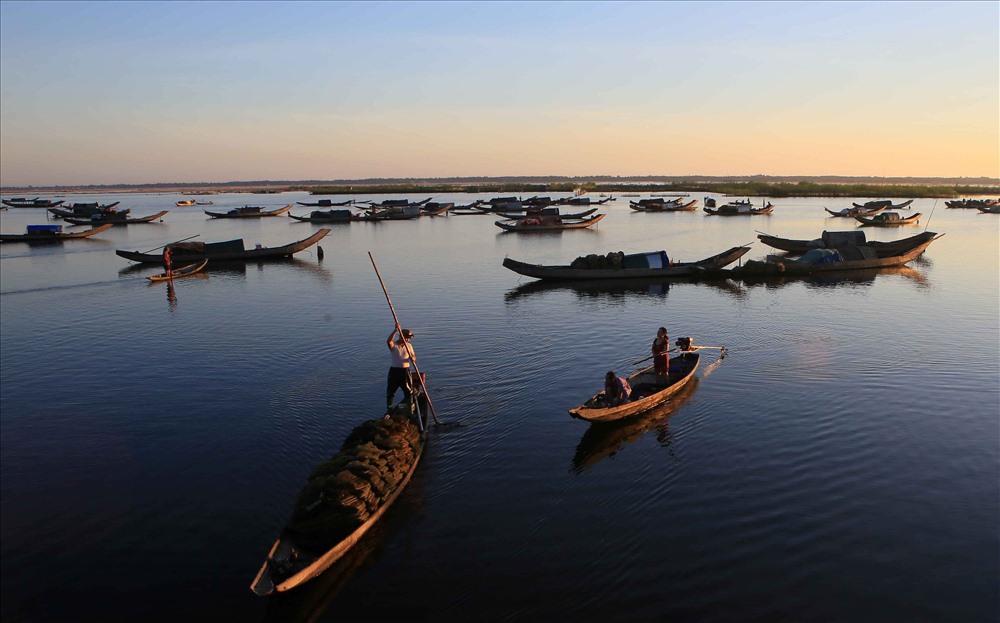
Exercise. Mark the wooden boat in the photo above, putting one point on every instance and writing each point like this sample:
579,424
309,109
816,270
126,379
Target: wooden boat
852,212
435,209
739,209
665,206
51,233
249,212
394,213
326,203
547,223
185,202
989,209
82,210
886,204
631,267
840,239
294,559
580,201
833,260
114,218
648,390
37,202
398,203
971,203
887,219
551,211
183,271
328,216
231,250
204,203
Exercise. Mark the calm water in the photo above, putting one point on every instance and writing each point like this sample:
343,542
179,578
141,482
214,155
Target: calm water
842,464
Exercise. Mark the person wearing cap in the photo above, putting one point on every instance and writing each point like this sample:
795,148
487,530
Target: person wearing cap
402,354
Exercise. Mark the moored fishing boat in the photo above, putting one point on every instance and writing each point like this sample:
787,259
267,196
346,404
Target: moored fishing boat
328,216
177,273
343,499
885,204
739,209
547,223
650,205
835,260
231,250
249,212
839,239
83,210
325,203
37,202
51,233
436,208
888,219
114,218
621,266
549,211
648,390
851,212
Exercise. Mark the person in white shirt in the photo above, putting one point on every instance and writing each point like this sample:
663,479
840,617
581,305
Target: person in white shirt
402,354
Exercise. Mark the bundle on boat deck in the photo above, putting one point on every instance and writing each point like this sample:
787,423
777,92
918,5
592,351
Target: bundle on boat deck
343,492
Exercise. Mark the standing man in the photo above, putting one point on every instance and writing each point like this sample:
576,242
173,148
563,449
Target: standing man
168,261
401,353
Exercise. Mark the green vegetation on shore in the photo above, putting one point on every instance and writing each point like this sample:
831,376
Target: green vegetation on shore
748,189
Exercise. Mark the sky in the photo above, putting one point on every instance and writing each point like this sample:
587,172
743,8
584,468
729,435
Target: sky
158,92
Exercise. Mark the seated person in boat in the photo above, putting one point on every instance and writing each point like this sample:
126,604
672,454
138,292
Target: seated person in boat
616,389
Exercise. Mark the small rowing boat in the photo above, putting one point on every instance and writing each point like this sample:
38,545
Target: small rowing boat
183,271
648,390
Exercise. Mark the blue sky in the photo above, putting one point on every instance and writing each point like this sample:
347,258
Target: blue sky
153,92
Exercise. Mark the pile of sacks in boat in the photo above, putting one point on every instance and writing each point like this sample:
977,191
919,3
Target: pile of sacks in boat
343,492
611,260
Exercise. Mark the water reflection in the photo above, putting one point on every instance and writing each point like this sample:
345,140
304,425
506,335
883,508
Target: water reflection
828,279
604,440
619,289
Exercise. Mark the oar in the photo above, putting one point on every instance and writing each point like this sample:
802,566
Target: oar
929,216
170,243
420,379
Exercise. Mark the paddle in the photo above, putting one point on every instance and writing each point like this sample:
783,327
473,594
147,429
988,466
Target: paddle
420,378
170,243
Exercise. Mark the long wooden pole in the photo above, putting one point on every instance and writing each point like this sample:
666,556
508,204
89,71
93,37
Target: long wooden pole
170,243
420,379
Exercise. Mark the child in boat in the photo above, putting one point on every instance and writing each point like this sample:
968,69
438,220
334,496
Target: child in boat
616,389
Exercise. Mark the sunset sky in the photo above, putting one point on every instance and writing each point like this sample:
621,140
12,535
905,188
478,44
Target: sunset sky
120,92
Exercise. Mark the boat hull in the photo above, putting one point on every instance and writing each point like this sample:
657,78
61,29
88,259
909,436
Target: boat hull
687,360
684,269
246,255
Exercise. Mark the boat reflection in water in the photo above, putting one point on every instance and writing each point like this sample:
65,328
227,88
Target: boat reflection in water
604,440
834,279
619,288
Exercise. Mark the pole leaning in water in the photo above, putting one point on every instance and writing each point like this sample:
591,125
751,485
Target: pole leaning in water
420,379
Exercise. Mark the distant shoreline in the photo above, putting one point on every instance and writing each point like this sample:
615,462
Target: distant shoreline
751,186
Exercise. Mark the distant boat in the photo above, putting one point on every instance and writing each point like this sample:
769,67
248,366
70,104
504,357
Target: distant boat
85,210
231,250
888,219
114,218
249,212
50,233
185,202
21,202
547,223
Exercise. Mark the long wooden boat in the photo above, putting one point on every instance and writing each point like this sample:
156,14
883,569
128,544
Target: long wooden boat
435,208
183,271
668,206
249,212
37,202
48,233
839,239
888,219
552,211
884,203
678,269
531,225
989,209
293,560
325,203
231,250
328,216
392,213
648,390
83,210
830,260
739,210
114,218
852,212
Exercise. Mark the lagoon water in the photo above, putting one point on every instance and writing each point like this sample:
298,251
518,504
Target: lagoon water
841,464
